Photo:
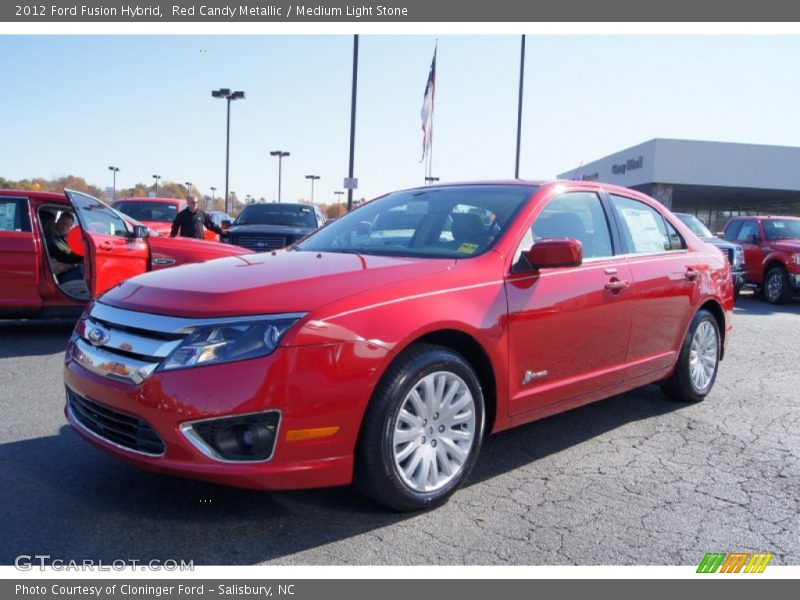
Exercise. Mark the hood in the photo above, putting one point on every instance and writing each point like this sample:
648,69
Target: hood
719,243
202,249
787,245
265,283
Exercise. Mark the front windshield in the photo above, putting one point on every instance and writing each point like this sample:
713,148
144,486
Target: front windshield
781,229
448,222
277,214
160,212
696,225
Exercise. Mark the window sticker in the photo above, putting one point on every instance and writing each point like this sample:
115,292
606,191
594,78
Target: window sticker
466,248
8,213
647,236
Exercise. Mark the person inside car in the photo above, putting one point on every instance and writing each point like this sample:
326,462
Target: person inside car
66,265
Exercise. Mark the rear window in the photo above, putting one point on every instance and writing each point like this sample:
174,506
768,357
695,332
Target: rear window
160,212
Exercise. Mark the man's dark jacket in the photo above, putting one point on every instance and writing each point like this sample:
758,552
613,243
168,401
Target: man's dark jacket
190,224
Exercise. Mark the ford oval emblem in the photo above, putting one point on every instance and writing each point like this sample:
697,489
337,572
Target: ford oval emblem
98,336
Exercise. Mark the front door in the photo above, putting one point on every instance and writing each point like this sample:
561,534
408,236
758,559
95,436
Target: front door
113,255
568,327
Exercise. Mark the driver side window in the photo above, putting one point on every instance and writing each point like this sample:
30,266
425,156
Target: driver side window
98,218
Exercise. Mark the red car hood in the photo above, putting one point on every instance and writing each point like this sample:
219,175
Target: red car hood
264,283
159,226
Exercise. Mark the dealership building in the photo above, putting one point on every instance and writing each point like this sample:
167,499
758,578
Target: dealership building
713,180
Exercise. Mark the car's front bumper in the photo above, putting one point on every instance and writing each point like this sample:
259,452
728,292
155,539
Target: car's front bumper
313,389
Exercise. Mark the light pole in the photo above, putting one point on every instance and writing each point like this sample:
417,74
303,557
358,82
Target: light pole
313,178
227,95
156,177
430,180
114,189
213,189
188,185
280,154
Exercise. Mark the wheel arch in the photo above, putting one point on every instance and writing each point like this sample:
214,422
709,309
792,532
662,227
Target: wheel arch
715,308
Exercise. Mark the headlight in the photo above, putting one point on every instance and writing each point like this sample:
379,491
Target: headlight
738,256
227,342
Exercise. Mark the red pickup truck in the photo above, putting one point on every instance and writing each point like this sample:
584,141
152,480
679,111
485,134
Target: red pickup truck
771,253
157,213
113,248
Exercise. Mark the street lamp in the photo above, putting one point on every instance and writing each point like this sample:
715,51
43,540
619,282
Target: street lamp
156,177
213,189
429,180
313,178
114,189
188,185
227,95
280,154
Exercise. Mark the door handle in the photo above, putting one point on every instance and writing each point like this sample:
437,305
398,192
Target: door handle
615,285
106,245
691,274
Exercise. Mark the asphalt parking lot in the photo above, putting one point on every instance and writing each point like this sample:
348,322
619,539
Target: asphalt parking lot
631,480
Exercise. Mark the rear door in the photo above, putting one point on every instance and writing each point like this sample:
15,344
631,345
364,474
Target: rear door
113,255
19,259
751,239
665,276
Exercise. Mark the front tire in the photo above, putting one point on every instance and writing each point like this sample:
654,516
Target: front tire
698,362
776,286
422,431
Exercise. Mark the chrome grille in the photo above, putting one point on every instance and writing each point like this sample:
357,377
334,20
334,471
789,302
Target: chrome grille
260,243
120,429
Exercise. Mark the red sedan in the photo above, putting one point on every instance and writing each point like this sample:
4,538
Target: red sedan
384,347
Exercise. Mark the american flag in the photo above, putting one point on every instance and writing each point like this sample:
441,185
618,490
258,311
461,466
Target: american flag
427,108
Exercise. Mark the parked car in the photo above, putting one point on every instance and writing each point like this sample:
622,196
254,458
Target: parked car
114,248
263,227
221,219
384,359
771,253
733,252
157,213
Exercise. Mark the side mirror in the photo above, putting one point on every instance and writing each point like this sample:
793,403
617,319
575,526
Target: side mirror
140,231
226,224
549,254
753,238
363,228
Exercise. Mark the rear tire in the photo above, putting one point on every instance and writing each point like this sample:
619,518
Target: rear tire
698,362
422,431
776,286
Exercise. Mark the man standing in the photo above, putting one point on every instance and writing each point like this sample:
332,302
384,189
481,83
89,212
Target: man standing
190,221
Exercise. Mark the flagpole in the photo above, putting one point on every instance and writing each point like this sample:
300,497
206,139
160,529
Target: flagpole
519,106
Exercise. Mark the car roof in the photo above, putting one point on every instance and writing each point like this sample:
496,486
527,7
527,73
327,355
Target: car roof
35,194
138,199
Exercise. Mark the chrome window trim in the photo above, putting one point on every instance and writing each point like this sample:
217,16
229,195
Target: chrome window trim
187,429
103,363
78,425
174,325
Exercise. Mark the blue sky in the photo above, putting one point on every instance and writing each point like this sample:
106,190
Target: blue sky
83,102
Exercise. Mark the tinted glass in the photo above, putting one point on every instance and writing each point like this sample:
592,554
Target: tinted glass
96,217
278,214
579,216
732,230
642,227
781,229
162,212
749,229
454,222
14,215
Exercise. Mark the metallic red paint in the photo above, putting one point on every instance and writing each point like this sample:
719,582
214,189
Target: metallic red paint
598,329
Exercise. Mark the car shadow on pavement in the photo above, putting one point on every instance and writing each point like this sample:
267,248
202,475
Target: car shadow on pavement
34,338
751,305
63,498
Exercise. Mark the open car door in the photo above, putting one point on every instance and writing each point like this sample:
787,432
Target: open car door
113,254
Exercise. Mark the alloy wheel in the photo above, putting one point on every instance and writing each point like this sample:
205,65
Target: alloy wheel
703,356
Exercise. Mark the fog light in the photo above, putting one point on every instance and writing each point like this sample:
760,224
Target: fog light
241,438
